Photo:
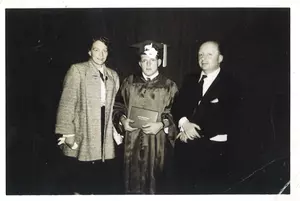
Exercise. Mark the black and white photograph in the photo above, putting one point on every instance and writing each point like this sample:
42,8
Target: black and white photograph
148,100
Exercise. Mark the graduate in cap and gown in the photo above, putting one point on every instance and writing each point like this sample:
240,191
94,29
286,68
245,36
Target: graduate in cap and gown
148,148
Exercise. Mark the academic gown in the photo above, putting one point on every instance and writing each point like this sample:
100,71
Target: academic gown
147,158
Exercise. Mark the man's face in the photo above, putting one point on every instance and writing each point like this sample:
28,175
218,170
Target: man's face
209,57
98,52
149,65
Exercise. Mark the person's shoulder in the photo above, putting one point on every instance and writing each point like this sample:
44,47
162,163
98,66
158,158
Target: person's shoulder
167,80
112,72
232,82
80,66
192,75
228,77
130,78
76,69
191,78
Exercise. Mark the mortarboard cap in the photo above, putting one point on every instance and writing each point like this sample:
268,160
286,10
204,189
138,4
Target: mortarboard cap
153,49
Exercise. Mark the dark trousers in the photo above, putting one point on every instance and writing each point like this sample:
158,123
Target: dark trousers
92,177
95,177
201,166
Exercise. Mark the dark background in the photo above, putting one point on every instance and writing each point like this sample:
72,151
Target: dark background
41,44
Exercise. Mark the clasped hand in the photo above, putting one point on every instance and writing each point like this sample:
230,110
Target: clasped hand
126,124
152,128
149,128
69,141
189,132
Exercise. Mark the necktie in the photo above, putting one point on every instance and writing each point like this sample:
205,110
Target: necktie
200,93
201,85
102,76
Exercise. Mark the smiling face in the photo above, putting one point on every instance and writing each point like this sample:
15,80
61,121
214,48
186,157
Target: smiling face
98,52
209,57
149,64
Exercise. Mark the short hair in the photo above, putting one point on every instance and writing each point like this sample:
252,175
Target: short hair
101,39
217,43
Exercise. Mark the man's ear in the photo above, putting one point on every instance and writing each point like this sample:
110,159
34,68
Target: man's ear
159,62
140,63
89,52
220,58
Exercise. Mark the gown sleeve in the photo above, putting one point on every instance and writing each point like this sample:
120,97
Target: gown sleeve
121,104
167,117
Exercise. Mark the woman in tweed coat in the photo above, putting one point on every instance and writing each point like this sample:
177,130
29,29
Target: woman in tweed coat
84,118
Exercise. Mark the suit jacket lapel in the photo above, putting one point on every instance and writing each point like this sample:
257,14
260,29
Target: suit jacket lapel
212,88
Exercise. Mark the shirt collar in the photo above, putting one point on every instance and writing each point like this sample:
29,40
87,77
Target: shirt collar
151,77
99,68
211,75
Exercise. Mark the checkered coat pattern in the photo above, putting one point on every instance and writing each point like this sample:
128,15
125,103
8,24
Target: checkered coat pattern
79,112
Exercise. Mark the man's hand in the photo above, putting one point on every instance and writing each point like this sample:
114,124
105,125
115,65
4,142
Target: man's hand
125,122
182,137
190,130
152,128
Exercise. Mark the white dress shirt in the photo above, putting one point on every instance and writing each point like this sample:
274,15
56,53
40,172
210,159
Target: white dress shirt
209,79
102,86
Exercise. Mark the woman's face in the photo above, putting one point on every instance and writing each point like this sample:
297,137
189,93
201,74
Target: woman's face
98,52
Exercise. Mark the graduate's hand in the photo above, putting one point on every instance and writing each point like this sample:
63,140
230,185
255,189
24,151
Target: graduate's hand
125,122
152,128
190,130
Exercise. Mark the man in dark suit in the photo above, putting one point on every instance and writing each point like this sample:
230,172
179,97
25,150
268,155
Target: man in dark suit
204,111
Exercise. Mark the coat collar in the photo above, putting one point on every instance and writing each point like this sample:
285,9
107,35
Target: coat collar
106,71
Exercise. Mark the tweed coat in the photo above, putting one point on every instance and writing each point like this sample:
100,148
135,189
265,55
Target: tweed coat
79,112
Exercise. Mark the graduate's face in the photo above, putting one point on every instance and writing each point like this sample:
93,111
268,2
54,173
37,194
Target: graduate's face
149,65
209,57
98,52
